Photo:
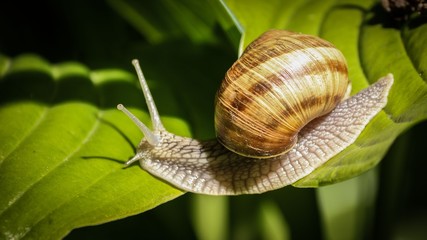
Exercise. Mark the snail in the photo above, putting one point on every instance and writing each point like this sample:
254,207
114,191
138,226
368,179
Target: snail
281,112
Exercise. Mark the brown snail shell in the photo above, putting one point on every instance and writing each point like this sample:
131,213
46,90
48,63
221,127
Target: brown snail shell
282,81
207,167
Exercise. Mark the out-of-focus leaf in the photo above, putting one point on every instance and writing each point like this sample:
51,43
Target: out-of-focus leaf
162,20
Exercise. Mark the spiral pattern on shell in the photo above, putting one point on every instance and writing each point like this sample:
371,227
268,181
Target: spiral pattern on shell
282,81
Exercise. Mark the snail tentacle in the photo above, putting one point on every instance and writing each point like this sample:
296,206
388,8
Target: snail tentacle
152,137
155,117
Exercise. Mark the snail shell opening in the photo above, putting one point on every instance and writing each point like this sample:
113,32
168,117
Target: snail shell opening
282,81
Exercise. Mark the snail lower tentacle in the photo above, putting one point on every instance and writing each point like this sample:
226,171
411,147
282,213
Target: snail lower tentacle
208,167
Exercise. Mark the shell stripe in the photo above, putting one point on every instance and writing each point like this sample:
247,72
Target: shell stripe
261,51
243,97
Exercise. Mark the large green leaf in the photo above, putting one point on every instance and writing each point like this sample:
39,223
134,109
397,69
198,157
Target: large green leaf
63,144
62,162
63,141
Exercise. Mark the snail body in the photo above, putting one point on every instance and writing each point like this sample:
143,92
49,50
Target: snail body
284,83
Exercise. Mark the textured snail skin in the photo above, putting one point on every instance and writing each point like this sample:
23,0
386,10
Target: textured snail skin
207,167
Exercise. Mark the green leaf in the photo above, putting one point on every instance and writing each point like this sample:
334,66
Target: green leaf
68,141
64,143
